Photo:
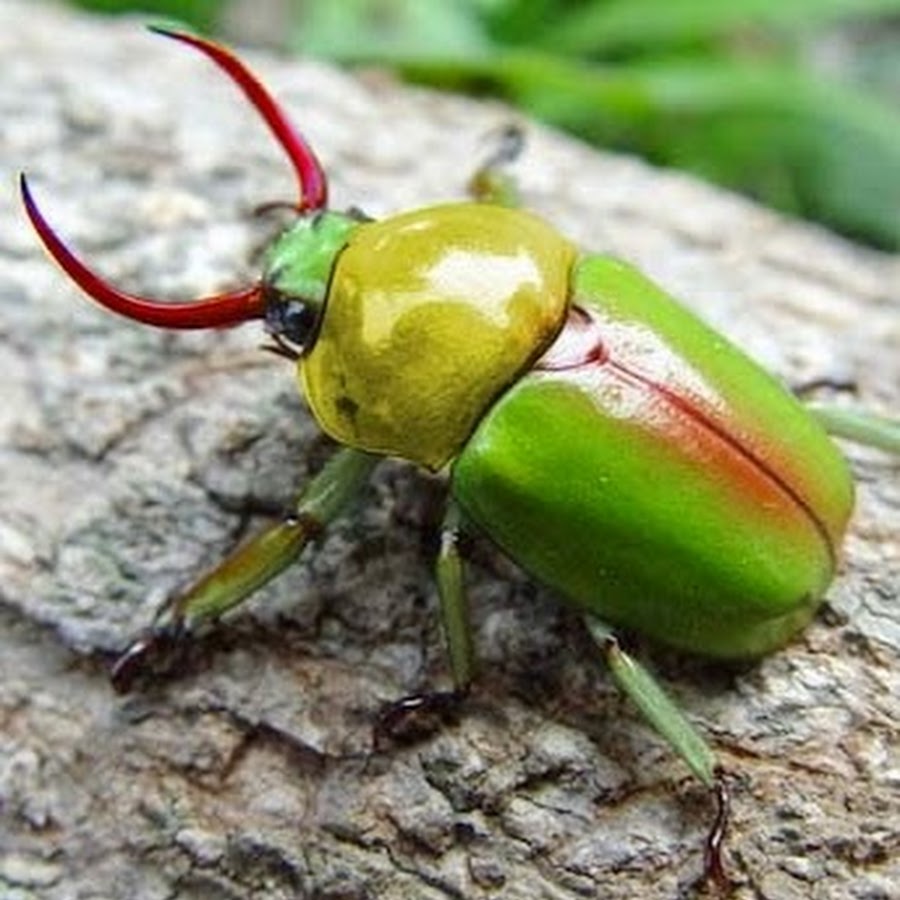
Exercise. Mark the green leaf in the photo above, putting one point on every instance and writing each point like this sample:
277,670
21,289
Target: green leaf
795,142
200,14
597,28
389,27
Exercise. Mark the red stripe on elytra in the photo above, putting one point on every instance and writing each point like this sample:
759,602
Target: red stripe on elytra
576,353
695,413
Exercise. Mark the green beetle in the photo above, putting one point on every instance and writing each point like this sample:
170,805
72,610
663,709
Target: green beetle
609,442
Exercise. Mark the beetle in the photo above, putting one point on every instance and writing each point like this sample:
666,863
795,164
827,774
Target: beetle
597,432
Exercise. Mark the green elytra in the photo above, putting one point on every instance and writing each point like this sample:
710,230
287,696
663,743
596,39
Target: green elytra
608,441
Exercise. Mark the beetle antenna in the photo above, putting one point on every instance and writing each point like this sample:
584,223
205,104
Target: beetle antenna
216,311
310,174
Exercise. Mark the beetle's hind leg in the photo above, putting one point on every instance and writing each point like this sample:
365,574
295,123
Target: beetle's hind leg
858,426
416,714
670,722
249,567
492,182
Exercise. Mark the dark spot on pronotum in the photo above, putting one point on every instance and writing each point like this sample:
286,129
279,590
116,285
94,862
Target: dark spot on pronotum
347,407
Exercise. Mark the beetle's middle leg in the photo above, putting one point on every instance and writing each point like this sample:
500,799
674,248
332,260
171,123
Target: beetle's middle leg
408,715
670,722
249,567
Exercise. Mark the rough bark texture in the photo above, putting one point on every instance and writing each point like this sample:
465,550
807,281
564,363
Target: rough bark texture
132,459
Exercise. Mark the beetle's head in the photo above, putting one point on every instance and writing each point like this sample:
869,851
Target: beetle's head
297,273
291,293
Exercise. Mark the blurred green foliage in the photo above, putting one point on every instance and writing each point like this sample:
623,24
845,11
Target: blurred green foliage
200,14
781,99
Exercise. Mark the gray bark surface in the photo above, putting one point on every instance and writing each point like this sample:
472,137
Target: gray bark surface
132,459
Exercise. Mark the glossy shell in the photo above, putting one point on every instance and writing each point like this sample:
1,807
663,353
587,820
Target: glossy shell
429,316
656,476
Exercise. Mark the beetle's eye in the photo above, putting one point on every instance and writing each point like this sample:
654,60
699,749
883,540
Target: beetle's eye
290,318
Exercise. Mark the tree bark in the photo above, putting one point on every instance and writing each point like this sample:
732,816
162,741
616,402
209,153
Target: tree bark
132,459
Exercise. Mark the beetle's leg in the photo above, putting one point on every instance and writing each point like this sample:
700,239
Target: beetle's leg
859,427
851,424
408,715
247,568
663,714
454,603
491,183
811,385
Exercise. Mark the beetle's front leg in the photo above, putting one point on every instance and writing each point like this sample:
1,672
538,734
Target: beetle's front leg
249,567
491,183
408,716
665,716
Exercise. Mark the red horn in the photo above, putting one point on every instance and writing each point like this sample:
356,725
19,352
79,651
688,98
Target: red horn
218,310
311,176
